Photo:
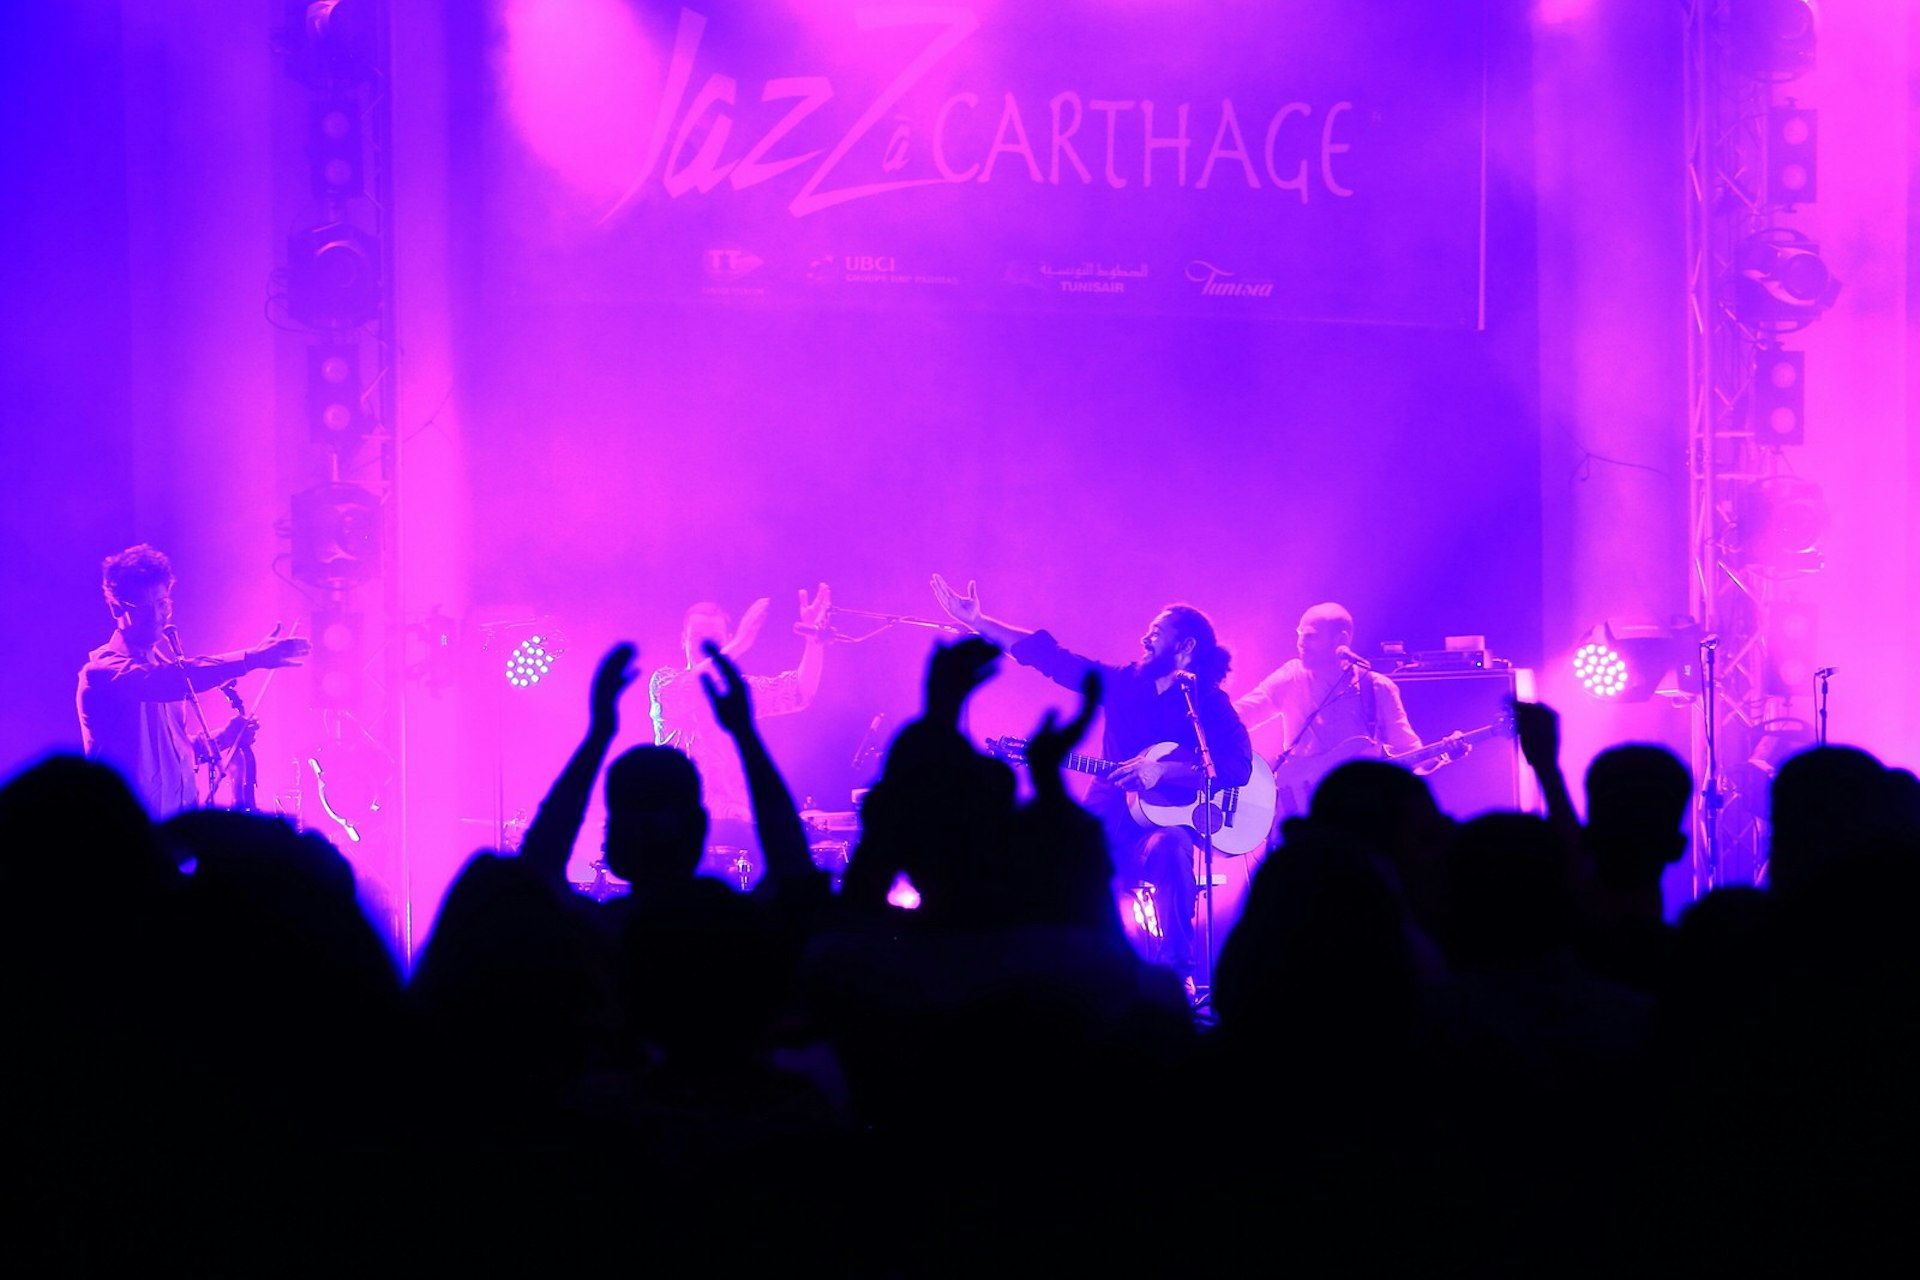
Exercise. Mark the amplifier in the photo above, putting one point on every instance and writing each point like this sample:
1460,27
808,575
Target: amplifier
1493,775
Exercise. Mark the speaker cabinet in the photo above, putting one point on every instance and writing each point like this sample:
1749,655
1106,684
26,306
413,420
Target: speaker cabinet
1492,775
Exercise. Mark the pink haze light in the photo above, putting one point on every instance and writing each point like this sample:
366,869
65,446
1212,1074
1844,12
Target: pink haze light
581,80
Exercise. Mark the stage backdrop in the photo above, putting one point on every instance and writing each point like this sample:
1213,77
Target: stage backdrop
1105,306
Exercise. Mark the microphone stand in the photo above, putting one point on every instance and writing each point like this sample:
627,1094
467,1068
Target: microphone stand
214,771
1711,799
827,631
1208,776
1820,703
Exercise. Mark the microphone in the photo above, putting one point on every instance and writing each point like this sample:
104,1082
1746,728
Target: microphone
821,630
1710,643
1344,652
869,749
1824,672
172,633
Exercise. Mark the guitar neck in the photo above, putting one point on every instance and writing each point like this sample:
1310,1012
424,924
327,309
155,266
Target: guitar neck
1081,763
1420,755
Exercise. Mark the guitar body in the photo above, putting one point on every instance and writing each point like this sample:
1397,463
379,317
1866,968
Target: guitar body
1296,777
1238,818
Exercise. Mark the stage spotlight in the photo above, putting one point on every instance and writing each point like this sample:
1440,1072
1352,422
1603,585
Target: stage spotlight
1782,282
1632,661
1774,40
1777,525
330,43
336,536
531,660
333,276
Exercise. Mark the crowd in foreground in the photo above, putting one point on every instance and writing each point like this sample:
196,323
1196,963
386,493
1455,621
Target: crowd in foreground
1472,1044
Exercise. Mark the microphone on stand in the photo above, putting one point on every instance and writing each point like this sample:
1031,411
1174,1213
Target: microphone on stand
172,633
1824,672
869,749
823,630
1344,652
1710,643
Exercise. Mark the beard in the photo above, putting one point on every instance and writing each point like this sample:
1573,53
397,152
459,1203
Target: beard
1155,665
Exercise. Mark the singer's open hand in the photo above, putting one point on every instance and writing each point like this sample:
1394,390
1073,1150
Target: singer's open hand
278,650
749,629
963,609
813,613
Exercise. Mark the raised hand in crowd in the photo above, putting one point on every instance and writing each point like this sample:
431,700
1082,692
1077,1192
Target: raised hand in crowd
550,838
953,673
1052,742
1537,726
783,838
615,673
731,699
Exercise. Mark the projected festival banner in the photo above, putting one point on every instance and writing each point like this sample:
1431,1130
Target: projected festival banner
1284,159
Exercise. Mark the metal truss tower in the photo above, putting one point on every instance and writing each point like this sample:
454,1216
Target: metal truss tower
1753,281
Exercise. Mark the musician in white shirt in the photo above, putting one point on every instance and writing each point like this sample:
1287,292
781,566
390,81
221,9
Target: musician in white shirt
1326,703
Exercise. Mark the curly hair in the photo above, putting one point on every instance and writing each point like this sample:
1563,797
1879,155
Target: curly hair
139,566
1211,660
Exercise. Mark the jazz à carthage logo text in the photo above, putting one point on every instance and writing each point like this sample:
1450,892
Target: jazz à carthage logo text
1062,140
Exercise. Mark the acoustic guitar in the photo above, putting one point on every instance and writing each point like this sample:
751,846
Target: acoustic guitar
1238,817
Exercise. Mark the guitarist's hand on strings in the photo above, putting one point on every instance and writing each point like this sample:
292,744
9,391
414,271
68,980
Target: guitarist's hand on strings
1455,747
1138,774
236,732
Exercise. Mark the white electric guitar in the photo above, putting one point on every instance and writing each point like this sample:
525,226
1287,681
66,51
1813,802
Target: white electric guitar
1295,777
1239,818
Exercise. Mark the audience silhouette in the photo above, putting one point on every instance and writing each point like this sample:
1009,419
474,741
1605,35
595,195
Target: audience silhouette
1475,1043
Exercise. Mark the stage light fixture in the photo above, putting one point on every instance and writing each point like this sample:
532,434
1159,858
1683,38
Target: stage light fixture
1781,281
1776,408
334,414
329,43
1777,525
337,657
1793,135
336,536
333,276
531,660
1774,40
1624,661
335,150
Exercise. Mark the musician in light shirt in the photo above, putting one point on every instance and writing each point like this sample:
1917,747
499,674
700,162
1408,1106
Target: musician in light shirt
134,691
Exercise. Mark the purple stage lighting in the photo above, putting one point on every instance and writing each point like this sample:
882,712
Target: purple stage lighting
530,660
